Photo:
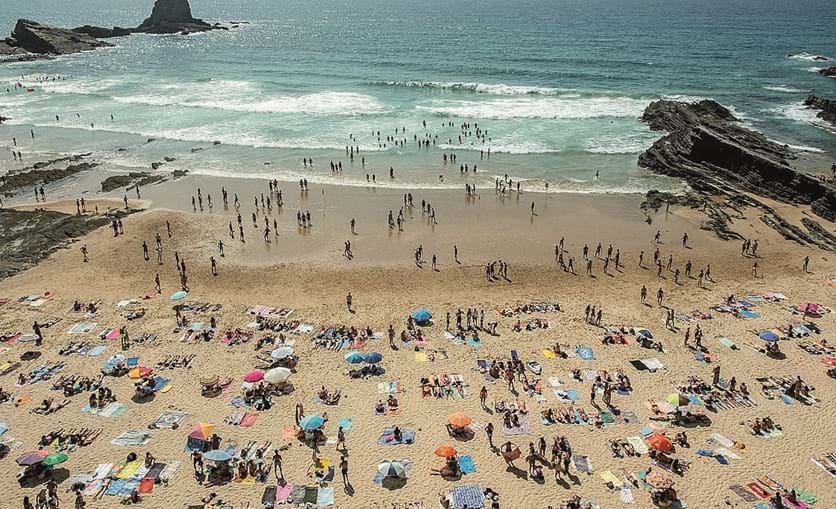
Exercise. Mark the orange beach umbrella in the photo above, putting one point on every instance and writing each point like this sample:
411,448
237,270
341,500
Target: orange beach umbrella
459,420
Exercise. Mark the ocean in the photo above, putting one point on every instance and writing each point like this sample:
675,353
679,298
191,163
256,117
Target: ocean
556,87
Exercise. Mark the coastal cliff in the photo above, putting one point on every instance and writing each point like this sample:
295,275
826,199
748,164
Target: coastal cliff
32,40
706,147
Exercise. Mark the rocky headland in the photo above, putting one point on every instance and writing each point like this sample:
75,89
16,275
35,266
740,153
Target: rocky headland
706,146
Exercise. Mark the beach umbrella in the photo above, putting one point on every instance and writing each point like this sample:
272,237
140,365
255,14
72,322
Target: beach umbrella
209,380
179,295
217,455
768,336
31,458
202,430
830,361
660,443
459,420
277,375
3,428
659,480
139,372
644,332
312,422
354,358
282,352
392,469
254,376
373,357
809,307
422,316
55,459
445,451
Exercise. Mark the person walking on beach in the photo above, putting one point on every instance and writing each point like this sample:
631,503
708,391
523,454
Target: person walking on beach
36,329
660,295
806,264
348,302
344,470
341,439
214,266
145,250
483,397
84,257
644,294
456,254
157,283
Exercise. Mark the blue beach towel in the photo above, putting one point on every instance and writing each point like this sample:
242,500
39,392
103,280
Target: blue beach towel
346,423
585,353
467,465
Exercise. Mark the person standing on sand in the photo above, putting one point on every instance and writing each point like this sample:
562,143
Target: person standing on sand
660,295
341,439
644,295
36,329
348,302
806,265
277,465
489,432
483,397
84,257
214,266
157,283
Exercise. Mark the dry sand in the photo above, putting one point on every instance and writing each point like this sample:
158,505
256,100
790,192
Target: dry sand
307,271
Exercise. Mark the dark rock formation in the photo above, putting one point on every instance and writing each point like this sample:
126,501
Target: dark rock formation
34,37
173,16
827,107
29,236
706,147
828,71
102,33
129,181
24,180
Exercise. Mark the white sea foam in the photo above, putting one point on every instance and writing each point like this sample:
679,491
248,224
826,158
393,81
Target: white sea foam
810,57
802,114
805,148
685,98
625,144
785,89
511,147
813,69
479,88
550,107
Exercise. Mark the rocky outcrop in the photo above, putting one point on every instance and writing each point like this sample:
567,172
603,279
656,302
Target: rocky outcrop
33,37
12,183
102,33
827,107
828,71
129,181
31,40
706,147
29,236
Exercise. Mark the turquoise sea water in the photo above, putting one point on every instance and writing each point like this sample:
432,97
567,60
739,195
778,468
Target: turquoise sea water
558,85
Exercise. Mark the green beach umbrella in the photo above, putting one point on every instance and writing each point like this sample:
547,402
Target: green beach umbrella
55,459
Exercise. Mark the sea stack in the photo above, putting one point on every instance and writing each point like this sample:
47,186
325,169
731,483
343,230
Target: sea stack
173,16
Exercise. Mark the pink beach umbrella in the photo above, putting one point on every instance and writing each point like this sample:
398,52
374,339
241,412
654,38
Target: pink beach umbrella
254,376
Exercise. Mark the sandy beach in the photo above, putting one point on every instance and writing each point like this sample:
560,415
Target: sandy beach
304,269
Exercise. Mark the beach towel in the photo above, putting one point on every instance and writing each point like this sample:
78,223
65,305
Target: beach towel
728,343
805,496
585,353
268,497
637,444
155,471
474,343
745,313
248,420
115,487
626,495
146,486
470,496
82,328
389,387
567,395
283,492
132,362
102,471
113,409
132,438
758,490
582,463
170,417
555,382
346,423
467,465
388,437
325,496
549,354
524,429
169,471
160,382
609,477
128,470
288,432
743,493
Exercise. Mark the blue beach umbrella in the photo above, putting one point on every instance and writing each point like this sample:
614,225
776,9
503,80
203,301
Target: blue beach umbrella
179,295
312,422
354,358
768,336
422,316
644,332
217,455
3,428
373,357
